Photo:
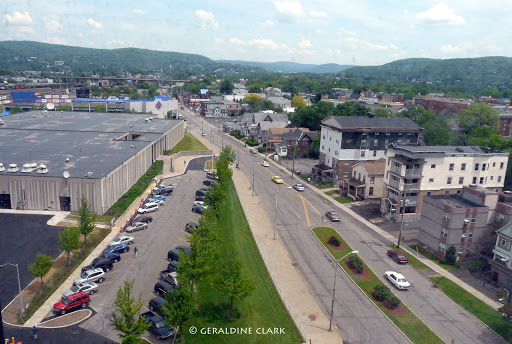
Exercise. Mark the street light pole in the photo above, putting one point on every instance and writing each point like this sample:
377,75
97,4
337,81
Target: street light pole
170,66
19,283
275,212
403,204
334,287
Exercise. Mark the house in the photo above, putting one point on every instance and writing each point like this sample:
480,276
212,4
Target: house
250,121
232,107
366,180
501,263
302,138
273,92
281,101
347,140
263,128
204,94
214,110
413,172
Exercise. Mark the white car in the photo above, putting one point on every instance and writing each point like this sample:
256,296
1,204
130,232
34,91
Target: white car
265,163
93,275
397,279
201,204
123,239
204,134
298,187
88,287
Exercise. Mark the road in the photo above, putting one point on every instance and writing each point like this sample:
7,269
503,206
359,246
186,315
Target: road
356,318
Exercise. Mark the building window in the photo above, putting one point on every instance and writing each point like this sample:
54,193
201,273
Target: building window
444,233
433,166
386,142
431,180
387,134
329,149
372,180
442,247
499,179
477,166
370,192
335,152
323,147
374,153
470,234
449,180
375,142
484,166
359,176
459,191
330,138
323,137
345,174
501,166
362,154
474,180
446,218
461,180
503,242
354,174
493,164
429,193
481,180
376,134
364,179
492,177
451,167
447,192
473,219
463,167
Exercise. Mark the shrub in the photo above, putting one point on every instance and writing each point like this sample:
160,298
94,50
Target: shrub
450,257
356,263
333,240
252,143
382,292
236,134
392,301
476,265
261,149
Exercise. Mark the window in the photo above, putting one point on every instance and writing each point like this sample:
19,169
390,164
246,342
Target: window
474,180
323,137
362,154
370,192
349,141
484,166
447,192
433,166
387,134
354,174
492,177
329,149
499,179
375,142
501,165
473,219
451,167
345,174
449,180
376,134
364,179
386,142
446,218
461,180
477,166
323,147
463,167
503,242
442,247
359,176
372,180
335,152
429,193
481,180
374,153
431,180
470,234
444,233
459,191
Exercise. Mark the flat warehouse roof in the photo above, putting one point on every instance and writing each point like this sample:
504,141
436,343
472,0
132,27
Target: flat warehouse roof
87,139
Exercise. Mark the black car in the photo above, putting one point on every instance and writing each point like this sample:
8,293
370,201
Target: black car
173,255
164,192
201,192
156,304
145,219
113,256
163,288
103,263
200,198
190,227
209,182
197,209
213,176
172,266
185,249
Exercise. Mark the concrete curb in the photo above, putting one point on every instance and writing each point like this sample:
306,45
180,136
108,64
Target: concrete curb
41,325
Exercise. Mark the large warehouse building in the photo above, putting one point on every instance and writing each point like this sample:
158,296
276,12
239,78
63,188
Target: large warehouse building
50,160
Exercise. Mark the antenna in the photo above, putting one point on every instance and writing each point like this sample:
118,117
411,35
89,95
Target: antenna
66,174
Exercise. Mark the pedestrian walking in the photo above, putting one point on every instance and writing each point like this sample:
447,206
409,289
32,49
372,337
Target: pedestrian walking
34,331
135,251
309,180
184,162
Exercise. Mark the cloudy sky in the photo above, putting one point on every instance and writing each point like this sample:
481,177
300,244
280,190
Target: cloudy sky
362,32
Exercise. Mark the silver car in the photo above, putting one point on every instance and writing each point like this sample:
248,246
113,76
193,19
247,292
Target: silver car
93,275
137,226
87,287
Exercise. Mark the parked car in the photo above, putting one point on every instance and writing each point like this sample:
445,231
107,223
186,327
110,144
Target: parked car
163,187
113,256
190,227
121,248
103,263
163,288
158,327
204,134
254,151
123,239
397,279
333,216
198,209
185,249
209,182
145,219
298,187
213,176
201,203
277,180
265,163
164,192
398,256
158,197
172,266
173,254
204,189
87,287
200,198
169,277
156,304
148,208
70,302
93,275
201,193
156,201
136,226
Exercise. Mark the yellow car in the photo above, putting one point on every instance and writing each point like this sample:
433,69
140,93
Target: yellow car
277,180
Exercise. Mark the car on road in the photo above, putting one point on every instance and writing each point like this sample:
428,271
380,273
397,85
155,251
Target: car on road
93,275
156,304
254,151
198,209
157,325
298,187
190,227
71,302
201,203
398,256
209,182
136,226
397,279
121,248
87,287
148,208
123,239
265,163
145,219
104,264
333,216
212,176
156,201
163,288
113,256
277,180
172,266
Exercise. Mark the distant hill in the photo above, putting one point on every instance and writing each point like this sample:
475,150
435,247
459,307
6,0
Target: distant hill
471,73
28,55
291,67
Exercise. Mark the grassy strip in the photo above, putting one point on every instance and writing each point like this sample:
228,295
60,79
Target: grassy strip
341,199
433,258
319,185
137,189
263,309
99,218
59,276
187,143
409,323
475,306
413,261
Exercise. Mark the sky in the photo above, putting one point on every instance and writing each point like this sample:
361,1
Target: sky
360,32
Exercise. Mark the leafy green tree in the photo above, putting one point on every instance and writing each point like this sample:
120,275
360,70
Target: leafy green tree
450,255
69,240
125,318
179,308
86,219
226,87
436,130
382,113
298,101
41,266
232,279
477,115
253,100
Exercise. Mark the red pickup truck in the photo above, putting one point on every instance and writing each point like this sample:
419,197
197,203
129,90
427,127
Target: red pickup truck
398,256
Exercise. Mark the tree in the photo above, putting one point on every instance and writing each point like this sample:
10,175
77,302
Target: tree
41,266
127,321
232,279
298,101
86,219
253,100
178,308
450,257
477,115
69,240
226,87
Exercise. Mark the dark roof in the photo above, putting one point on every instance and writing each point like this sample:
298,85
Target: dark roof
365,122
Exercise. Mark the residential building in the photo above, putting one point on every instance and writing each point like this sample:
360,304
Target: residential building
393,97
442,106
281,101
413,172
250,121
365,181
501,263
273,92
302,138
214,110
347,140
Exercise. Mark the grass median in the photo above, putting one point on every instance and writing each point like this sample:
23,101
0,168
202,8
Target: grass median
263,309
407,322
341,199
475,306
187,143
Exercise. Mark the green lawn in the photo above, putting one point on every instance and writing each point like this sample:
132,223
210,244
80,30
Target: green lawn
415,263
409,323
341,199
99,218
263,309
187,143
478,308
433,258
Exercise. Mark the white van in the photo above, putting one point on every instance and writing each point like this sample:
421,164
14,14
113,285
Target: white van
148,208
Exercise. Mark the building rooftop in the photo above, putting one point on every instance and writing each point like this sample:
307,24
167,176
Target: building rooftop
365,122
446,150
455,201
93,142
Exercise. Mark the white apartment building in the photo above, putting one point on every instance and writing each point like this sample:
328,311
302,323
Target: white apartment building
415,171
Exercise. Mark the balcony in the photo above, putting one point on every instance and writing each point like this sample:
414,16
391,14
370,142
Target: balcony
400,186
409,172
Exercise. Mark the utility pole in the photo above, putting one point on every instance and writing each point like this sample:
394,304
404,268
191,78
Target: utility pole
252,176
